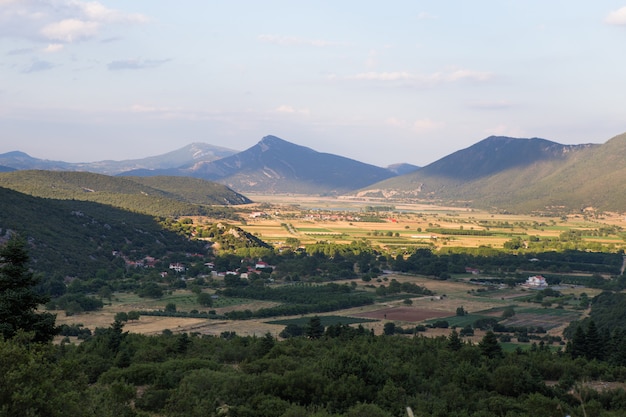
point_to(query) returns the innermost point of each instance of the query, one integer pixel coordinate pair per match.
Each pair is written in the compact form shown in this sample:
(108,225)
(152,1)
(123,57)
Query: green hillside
(158,196)
(71,238)
(577,178)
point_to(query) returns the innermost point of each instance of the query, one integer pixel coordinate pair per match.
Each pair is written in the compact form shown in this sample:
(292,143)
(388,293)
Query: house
(472,271)
(262,265)
(536,281)
(178,267)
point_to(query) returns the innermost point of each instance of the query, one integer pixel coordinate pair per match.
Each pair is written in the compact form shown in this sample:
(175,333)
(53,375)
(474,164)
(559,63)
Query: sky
(380,82)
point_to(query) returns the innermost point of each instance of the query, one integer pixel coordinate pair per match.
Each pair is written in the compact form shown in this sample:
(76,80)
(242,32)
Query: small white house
(536,281)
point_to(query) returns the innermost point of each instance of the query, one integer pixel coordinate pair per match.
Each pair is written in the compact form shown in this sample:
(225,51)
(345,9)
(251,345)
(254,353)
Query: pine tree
(454,341)
(489,345)
(593,341)
(315,329)
(18,299)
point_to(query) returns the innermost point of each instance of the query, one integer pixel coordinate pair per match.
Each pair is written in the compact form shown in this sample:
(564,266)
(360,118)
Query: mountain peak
(15,154)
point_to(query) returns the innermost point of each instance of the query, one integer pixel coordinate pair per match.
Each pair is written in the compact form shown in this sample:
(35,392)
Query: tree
(18,299)
(390,328)
(489,345)
(454,341)
(205,299)
(121,316)
(315,329)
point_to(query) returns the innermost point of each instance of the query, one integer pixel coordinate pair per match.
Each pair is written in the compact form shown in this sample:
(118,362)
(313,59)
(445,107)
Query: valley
(289,222)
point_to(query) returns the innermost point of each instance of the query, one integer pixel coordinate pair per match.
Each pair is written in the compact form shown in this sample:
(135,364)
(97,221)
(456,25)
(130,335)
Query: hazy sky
(380,82)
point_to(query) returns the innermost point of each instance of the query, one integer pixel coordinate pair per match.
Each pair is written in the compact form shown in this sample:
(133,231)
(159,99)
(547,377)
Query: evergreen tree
(489,345)
(454,341)
(18,299)
(315,329)
(578,345)
(593,342)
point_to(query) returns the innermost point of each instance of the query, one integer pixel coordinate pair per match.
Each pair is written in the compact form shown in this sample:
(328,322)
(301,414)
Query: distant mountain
(19,160)
(402,168)
(520,175)
(159,196)
(495,154)
(165,163)
(275,165)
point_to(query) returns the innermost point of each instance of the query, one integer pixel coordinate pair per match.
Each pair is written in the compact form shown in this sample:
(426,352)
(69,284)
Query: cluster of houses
(258,268)
(332,217)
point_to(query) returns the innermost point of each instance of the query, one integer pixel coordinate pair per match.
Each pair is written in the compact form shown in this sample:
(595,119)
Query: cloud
(135,64)
(38,66)
(448,76)
(424,125)
(70,30)
(291,110)
(59,20)
(53,47)
(295,41)
(617,17)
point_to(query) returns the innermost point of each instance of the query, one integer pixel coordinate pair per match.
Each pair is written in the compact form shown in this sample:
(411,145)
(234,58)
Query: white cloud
(291,110)
(53,47)
(295,41)
(617,17)
(423,125)
(59,20)
(70,30)
(96,11)
(448,76)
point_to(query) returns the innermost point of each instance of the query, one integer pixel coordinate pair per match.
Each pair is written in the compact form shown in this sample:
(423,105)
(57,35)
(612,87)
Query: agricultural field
(298,221)
(339,220)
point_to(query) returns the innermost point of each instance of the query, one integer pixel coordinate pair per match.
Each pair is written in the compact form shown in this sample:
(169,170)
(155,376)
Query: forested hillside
(158,196)
(78,238)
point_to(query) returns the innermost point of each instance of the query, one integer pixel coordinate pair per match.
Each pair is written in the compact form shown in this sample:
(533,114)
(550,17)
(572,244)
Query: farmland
(291,222)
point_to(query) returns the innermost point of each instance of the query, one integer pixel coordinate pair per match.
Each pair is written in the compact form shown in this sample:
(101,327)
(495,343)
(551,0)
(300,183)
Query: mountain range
(17,160)
(520,175)
(501,173)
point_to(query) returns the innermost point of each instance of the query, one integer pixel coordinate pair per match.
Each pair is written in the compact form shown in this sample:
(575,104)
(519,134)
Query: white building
(536,281)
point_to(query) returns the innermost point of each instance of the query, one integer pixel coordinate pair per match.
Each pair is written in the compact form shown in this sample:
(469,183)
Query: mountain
(277,166)
(402,168)
(169,161)
(158,196)
(520,175)
(17,160)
